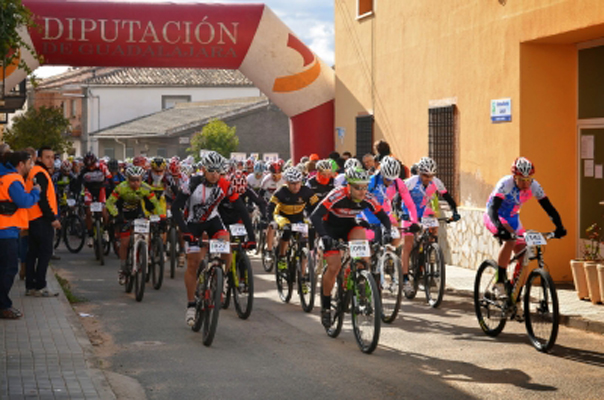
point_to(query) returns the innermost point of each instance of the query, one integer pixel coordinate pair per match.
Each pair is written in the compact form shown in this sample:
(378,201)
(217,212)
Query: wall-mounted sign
(270,157)
(184,140)
(341,133)
(501,110)
(238,156)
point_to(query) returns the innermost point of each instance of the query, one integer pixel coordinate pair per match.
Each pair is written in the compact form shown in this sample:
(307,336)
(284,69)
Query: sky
(311,20)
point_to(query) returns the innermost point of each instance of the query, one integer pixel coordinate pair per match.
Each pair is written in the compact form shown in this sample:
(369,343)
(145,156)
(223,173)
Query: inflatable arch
(248,37)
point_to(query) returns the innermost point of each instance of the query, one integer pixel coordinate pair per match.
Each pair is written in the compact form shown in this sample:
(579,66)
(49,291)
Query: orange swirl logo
(12,67)
(292,83)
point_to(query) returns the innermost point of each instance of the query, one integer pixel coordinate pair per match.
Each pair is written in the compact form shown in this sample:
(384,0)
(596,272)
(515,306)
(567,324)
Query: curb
(570,321)
(96,374)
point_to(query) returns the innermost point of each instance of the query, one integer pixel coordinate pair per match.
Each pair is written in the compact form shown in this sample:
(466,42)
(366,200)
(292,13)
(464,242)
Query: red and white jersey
(204,198)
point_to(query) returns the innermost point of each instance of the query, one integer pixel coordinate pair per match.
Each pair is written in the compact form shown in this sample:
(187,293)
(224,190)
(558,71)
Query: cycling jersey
(340,180)
(287,207)
(268,185)
(385,196)
(321,186)
(94,180)
(130,200)
(200,199)
(422,195)
(254,182)
(512,197)
(63,184)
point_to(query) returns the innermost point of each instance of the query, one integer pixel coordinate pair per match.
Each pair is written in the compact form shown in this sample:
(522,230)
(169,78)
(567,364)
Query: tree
(44,126)
(217,136)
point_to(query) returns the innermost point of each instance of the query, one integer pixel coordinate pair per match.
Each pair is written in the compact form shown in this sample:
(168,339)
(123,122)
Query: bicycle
(173,244)
(209,290)
(269,258)
(540,301)
(99,241)
(240,279)
(156,252)
(136,265)
(427,263)
(297,256)
(73,230)
(356,286)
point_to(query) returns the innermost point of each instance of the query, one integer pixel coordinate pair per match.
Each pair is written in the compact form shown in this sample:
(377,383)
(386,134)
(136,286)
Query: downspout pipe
(123,144)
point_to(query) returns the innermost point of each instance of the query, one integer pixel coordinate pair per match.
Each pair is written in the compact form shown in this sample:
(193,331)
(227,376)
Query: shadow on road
(578,355)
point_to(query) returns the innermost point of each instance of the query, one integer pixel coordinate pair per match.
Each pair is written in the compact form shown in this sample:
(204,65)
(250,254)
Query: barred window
(364,135)
(443,146)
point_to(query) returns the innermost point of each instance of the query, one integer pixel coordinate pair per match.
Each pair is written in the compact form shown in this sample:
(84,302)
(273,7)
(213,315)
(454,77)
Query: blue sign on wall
(501,110)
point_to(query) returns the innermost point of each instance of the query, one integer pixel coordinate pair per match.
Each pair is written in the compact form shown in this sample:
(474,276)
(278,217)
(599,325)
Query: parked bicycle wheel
(434,275)
(74,233)
(140,276)
(211,308)
(157,262)
(489,310)
(541,310)
(243,293)
(390,275)
(337,306)
(365,311)
(306,281)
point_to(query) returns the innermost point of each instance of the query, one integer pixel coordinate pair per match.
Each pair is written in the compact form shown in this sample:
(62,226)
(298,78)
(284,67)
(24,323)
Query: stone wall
(467,243)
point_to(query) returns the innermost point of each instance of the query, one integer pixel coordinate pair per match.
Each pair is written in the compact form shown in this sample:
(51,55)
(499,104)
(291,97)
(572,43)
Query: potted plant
(592,256)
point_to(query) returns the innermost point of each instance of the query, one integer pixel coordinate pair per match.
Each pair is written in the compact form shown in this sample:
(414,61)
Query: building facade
(475,85)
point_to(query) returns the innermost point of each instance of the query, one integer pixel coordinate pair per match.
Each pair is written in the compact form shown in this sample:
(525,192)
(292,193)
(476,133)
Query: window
(365,8)
(109,152)
(364,135)
(442,139)
(171,101)
(73,108)
(129,152)
(162,152)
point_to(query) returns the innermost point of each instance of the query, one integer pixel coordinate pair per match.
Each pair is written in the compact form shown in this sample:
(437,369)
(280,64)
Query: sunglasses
(360,188)
(527,179)
(213,170)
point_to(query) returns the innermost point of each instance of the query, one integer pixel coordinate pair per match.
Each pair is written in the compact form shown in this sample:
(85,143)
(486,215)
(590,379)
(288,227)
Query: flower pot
(578,271)
(591,275)
(601,279)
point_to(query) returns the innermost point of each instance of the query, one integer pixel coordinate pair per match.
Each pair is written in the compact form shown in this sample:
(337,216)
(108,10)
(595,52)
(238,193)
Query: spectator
(369,162)
(346,155)
(311,168)
(334,155)
(14,201)
(42,224)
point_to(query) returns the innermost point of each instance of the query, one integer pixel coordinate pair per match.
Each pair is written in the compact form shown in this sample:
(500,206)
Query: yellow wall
(413,52)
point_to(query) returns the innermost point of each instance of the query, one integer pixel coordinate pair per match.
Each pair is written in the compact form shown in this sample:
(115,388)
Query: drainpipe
(123,144)
(98,115)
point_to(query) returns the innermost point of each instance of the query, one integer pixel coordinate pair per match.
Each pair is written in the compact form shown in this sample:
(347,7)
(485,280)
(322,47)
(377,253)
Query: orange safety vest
(20,218)
(35,212)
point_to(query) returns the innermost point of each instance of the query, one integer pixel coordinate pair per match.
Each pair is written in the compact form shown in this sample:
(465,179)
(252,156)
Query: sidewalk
(46,354)
(575,313)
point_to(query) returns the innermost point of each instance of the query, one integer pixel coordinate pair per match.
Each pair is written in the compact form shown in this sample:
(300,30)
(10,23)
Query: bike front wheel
(157,261)
(141,264)
(283,278)
(337,305)
(74,233)
(391,273)
(173,250)
(306,281)
(414,274)
(434,275)
(490,310)
(541,310)
(243,292)
(212,304)
(99,247)
(365,311)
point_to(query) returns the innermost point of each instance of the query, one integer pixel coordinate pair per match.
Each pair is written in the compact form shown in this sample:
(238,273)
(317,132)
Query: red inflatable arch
(248,37)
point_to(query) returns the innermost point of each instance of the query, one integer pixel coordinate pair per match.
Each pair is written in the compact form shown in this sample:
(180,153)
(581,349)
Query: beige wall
(418,51)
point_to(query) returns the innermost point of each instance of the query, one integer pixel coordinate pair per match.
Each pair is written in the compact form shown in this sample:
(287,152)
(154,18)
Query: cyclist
(272,181)
(125,205)
(503,219)
(196,212)
(94,176)
(249,166)
(335,219)
(155,177)
(230,214)
(63,180)
(255,179)
(116,176)
(287,207)
(340,179)
(323,182)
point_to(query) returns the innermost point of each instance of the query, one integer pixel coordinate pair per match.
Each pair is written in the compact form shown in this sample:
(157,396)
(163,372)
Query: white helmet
(324,165)
(427,166)
(134,171)
(523,167)
(292,174)
(390,168)
(357,175)
(213,161)
(352,163)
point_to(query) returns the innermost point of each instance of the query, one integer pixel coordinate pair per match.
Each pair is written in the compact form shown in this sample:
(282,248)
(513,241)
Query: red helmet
(174,167)
(249,164)
(523,167)
(275,168)
(238,182)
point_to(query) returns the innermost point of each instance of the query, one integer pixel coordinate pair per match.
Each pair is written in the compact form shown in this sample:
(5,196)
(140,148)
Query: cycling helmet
(113,165)
(324,165)
(90,159)
(238,182)
(259,167)
(292,175)
(212,161)
(427,166)
(287,164)
(57,163)
(281,163)
(301,167)
(352,163)
(390,168)
(134,171)
(523,167)
(249,164)
(275,168)
(304,159)
(357,176)
(158,163)
(186,169)
(66,166)
(139,161)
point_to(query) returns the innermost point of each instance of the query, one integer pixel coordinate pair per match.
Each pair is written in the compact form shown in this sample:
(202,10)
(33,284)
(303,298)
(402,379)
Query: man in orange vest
(42,224)
(14,201)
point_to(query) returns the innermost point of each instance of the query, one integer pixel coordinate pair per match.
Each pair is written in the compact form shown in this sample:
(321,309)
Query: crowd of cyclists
(340,198)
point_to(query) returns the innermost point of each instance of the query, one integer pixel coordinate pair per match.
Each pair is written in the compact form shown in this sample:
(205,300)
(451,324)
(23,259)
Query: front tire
(365,308)
(306,282)
(434,275)
(490,311)
(284,282)
(414,274)
(212,304)
(243,294)
(74,233)
(542,316)
(173,250)
(140,276)
(391,275)
(157,260)
(337,305)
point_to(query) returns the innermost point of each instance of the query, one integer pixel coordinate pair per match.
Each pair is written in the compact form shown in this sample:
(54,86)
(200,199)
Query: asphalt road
(282,352)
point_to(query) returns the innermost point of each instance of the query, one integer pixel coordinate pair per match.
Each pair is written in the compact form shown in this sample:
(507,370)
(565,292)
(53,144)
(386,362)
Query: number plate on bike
(220,246)
(96,207)
(141,226)
(238,230)
(359,248)
(154,218)
(429,222)
(395,234)
(534,239)
(71,202)
(300,227)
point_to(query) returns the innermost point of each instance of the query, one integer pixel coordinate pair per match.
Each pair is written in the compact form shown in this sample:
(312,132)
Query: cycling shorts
(340,232)
(213,228)
(513,222)
(90,197)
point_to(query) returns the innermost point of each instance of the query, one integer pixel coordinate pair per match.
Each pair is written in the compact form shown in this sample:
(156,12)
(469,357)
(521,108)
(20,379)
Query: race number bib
(430,222)
(169,213)
(238,230)
(71,202)
(395,234)
(534,239)
(154,218)
(300,227)
(219,246)
(141,226)
(359,248)
(96,207)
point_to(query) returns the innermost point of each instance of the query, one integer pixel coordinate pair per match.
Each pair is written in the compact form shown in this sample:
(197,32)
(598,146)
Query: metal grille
(443,145)
(364,135)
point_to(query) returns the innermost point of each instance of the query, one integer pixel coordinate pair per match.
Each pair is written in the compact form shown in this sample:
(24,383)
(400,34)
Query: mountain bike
(174,248)
(269,258)
(100,237)
(73,230)
(356,292)
(155,271)
(240,279)
(427,263)
(136,265)
(299,269)
(209,290)
(537,306)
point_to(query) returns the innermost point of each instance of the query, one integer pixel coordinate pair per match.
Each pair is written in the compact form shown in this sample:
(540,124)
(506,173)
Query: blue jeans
(9,262)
